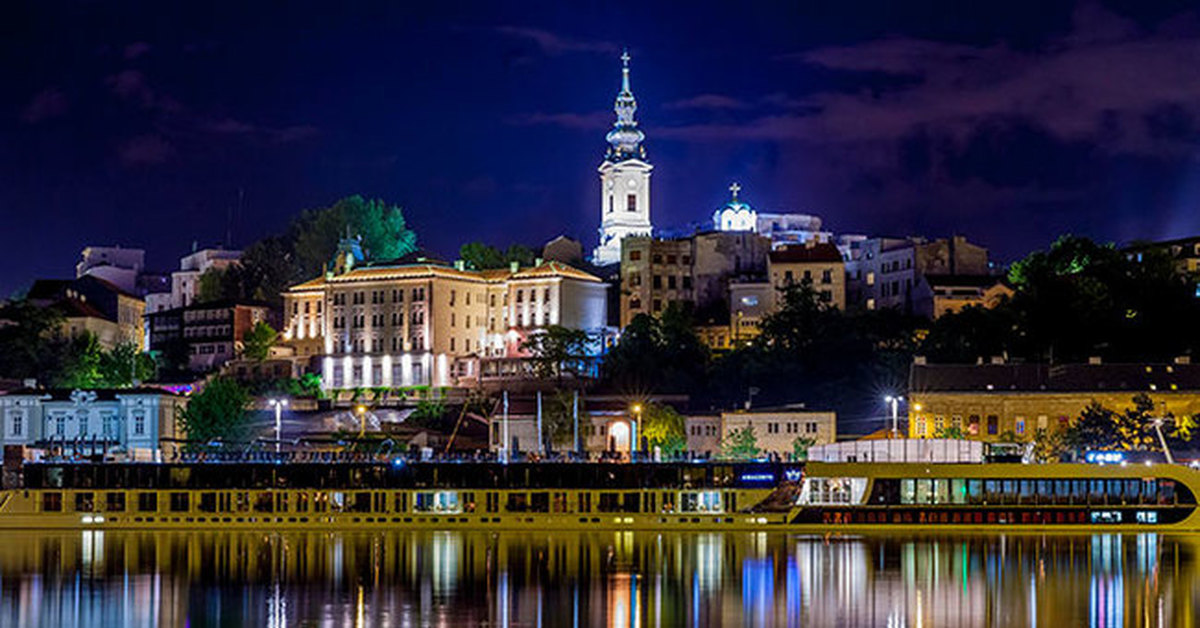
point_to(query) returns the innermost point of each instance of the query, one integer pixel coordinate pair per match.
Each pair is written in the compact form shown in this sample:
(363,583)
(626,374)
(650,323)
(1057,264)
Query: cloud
(46,104)
(576,121)
(232,126)
(1097,83)
(145,150)
(708,101)
(554,45)
(136,49)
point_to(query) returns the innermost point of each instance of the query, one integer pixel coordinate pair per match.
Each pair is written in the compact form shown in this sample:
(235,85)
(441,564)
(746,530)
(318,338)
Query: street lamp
(636,425)
(895,400)
(279,405)
(361,411)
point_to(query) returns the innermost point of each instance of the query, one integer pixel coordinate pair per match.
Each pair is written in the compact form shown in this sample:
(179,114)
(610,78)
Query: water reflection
(615,579)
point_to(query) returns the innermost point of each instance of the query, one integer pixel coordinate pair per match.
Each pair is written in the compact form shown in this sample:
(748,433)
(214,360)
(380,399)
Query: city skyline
(151,133)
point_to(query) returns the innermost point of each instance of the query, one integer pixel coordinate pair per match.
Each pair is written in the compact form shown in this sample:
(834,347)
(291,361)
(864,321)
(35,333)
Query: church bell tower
(624,179)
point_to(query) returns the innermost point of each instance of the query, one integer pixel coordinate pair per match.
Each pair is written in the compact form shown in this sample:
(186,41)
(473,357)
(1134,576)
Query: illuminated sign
(757,477)
(1104,457)
(793,475)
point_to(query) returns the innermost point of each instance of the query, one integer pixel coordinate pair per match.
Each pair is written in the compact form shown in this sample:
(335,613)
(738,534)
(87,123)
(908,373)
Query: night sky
(147,126)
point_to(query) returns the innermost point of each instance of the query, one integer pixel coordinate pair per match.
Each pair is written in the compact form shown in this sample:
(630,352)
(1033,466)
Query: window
(671,282)
(139,423)
(635,256)
(657,283)
(827,276)
(18,424)
(632,202)
(993,424)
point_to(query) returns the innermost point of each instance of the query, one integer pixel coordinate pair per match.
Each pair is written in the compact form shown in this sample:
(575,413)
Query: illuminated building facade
(624,179)
(426,323)
(1006,402)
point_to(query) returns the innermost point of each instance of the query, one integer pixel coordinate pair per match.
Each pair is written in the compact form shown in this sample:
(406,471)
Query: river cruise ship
(817,497)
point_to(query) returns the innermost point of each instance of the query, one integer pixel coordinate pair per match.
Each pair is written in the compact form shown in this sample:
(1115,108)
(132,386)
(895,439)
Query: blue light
(1104,457)
(398,462)
(757,477)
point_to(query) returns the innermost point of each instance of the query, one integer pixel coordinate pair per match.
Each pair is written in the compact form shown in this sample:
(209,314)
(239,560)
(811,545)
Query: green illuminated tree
(663,427)
(217,412)
(315,233)
(800,447)
(556,351)
(481,256)
(125,365)
(257,343)
(740,444)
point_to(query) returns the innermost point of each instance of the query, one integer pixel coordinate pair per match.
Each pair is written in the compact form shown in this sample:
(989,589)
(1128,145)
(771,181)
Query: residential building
(93,305)
(142,423)
(703,435)
(695,271)
(185,282)
(817,263)
(419,323)
(999,401)
(205,335)
(883,272)
(1184,251)
(938,295)
(749,303)
(117,265)
(624,179)
(776,430)
(563,249)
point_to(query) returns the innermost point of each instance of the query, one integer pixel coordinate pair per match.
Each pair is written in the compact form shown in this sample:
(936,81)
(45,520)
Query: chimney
(1095,360)
(460,265)
(513,267)
(538,262)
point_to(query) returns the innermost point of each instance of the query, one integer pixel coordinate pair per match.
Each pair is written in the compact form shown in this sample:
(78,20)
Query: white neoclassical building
(138,422)
(624,179)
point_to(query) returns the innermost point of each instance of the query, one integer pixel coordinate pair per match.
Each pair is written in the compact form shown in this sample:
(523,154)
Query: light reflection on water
(582,579)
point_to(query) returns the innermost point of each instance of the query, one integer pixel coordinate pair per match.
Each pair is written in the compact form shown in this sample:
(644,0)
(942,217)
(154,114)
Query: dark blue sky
(137,124)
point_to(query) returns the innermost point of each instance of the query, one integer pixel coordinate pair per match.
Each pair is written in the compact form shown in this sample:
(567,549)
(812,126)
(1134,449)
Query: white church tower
(624,179)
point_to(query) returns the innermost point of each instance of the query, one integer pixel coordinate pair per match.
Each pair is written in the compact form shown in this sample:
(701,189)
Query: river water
(595,579)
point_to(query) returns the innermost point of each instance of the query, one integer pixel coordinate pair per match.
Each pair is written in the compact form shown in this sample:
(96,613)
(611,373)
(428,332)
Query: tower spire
(625,139)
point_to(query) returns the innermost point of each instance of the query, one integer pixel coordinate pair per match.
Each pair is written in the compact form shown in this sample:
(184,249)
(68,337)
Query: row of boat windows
(988,517)
(1033,491)
(320,475)
(437,502)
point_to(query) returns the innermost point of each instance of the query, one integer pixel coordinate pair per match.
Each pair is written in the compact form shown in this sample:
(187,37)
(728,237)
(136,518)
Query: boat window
(84,502)
(301,502)
(361,502)
(1096,489)
(179,502)
(703,501)
(560,503)
(585,502)
(337,501)
(1106,516)
(908,491)
(400,502)
(281,501)
(1045,489)
(975,491)
(1115,492)
(924,488)
(958,491)
(991,491)
(941,491)
(147,502)
(208,502)
(1147,516)
(517,502)
(610,502)
(1133,490)
(52,502)
(439,502)
(631,501)
(1026,487)
(539,502)
(115,502)
(1166,492)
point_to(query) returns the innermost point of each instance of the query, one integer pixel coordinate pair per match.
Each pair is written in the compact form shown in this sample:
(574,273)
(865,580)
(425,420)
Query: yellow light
(637,408)
(360,409)
(918,407)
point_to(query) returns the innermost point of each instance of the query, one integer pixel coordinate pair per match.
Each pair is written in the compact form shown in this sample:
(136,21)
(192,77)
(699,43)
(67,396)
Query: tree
(558,416)
(740,444)
(664,428)
(950,432)
(429,414)
(216,284)
(1096,428)
(1048,445)
(126,365)
(316,232)
(30,347)
(658,355)
(557,350)
(481,256)
(257,343)
(800,447)
(217,412)
(81,367)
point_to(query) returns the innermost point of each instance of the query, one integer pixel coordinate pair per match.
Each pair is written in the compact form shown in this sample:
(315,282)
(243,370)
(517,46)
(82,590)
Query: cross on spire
(735,188)
(625,57)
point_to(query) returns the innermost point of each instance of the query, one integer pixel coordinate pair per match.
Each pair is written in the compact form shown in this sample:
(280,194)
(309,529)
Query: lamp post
(895,400)
(636,425)
(361,412)
(279,405)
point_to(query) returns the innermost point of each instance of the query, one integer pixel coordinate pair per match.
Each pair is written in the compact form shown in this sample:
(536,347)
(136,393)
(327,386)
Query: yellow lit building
(411,324)
(995,402)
